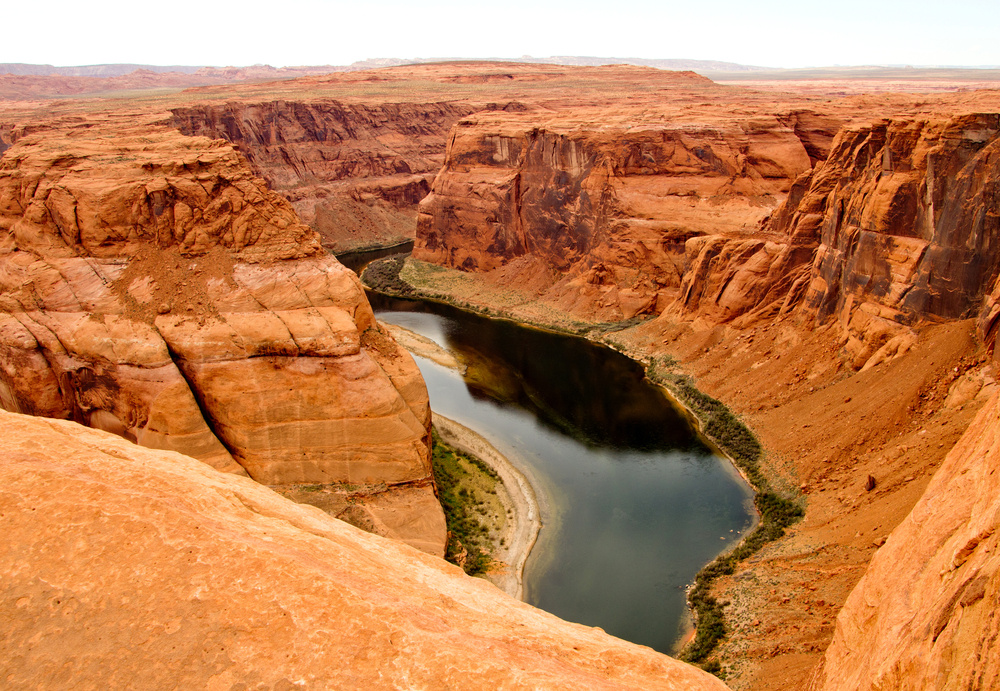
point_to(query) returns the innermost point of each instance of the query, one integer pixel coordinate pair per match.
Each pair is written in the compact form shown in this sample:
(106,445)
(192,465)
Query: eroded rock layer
(878,224)
(608,212)
(353,172)
(129,567)
(153,287)
(901,223)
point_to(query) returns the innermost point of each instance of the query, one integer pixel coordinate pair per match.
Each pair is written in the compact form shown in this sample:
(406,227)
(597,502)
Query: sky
(772,33)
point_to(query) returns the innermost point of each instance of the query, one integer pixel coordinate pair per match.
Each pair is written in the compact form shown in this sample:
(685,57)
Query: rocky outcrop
(607,211)
(902,218)
(926,614)
(153,287)
(895,223)
(123,566)
(352,171)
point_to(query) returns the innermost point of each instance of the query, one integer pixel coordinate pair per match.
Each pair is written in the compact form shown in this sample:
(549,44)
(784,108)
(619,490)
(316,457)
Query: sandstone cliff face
(926,614)
(608,212)
(894,223)
(353,172)
(902,219)
(151,286)
(129,567)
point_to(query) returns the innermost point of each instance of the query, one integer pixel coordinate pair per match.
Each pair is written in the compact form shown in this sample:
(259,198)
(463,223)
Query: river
(633,503)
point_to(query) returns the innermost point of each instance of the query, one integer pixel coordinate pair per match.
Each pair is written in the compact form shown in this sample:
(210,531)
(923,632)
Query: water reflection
(583,390)
(636,504)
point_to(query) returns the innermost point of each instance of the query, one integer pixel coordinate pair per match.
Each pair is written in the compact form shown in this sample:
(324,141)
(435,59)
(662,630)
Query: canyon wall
(352,171)
(611,217)
(129,567)
(901,224)
(887,223)
(151,286)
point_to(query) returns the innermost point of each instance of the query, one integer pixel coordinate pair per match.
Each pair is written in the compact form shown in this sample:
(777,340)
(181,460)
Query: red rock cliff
(926,614)
(353,171)
(151,286)
(893,224)
(608,211)
(900,225)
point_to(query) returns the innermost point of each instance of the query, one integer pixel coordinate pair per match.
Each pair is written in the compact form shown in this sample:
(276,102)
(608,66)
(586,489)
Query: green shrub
(776,512)
(383,276)
(465,533)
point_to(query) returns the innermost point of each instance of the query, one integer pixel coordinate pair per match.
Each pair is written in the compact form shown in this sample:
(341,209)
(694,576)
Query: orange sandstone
(123,566)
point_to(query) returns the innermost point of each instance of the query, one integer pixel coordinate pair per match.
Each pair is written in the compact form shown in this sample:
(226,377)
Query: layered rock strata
(354,172)
(613,215)
(899,224)
(151,286)
(125,567)
(893,224)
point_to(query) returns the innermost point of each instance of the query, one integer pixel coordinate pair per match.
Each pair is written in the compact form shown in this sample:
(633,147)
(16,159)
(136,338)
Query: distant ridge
(195,75)
(115,70)
(574,60)
(122,69)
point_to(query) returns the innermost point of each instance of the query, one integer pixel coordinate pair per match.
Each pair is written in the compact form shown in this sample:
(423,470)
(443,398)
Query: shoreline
(522,531)
(375,247)
(700,600)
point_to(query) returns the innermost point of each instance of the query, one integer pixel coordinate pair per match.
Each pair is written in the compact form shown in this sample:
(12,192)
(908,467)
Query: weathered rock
(926,614)
(901,215)
(895,225)
(608,209)
(352,171)
(151,286)
(128,567)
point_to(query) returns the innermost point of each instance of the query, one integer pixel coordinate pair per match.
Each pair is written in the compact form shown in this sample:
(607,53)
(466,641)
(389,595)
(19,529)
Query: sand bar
(519,495)
(522,531)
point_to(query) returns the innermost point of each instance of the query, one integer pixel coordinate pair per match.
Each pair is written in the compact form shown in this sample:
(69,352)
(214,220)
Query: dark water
(636,504)
(356,261)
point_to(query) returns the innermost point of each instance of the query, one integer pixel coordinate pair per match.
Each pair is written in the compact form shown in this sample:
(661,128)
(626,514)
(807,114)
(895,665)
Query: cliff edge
(123,566)
(926,614)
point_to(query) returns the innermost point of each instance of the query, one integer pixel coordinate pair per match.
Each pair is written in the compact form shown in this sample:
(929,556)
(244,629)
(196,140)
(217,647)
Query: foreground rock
(151,286)
(122,566)
(926,614)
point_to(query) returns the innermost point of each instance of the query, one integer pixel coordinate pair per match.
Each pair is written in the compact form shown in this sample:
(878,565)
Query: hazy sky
(777,33)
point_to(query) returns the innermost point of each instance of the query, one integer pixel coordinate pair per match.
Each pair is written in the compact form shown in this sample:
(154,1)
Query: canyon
(824,264)
(152,287)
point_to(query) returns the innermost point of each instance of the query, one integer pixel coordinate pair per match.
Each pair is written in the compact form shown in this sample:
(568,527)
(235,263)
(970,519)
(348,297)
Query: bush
(383,276)
(465,533)
(776,512)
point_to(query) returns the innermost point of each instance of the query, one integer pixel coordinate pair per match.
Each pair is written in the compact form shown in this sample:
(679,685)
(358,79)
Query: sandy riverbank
(522,529)
(424,347)
(519,496)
